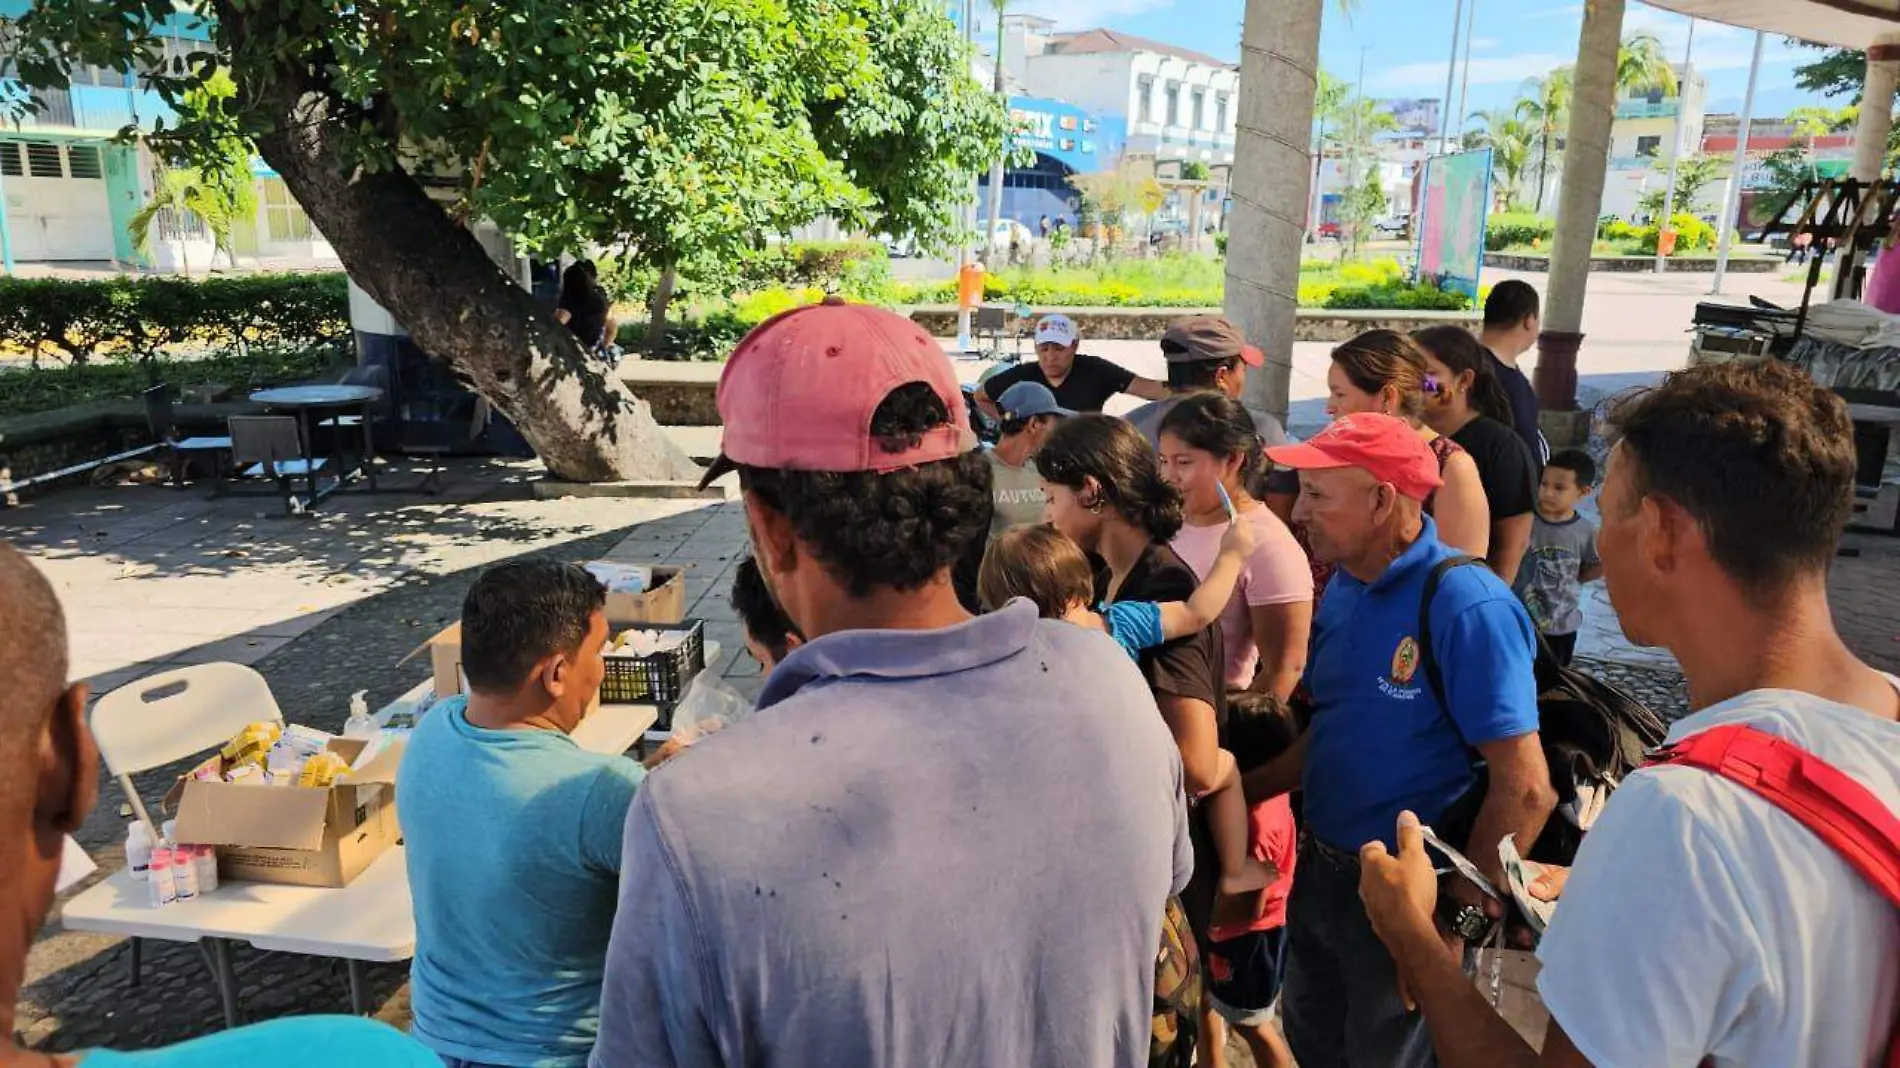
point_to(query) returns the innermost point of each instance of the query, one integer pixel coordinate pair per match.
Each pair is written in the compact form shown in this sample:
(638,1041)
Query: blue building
(1067,141)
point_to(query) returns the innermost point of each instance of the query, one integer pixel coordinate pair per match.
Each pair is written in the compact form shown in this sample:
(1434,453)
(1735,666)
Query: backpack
(1593,735)
(1840,811)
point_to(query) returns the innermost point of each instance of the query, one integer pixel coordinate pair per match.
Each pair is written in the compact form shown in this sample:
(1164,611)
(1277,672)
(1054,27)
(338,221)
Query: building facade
(1643,139)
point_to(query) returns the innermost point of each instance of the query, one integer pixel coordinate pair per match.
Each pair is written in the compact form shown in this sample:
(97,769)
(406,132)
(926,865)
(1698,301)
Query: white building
(1643,139)
(1180,105)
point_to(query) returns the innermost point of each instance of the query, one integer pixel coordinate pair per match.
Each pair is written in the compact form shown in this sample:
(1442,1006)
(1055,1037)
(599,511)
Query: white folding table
(370,920)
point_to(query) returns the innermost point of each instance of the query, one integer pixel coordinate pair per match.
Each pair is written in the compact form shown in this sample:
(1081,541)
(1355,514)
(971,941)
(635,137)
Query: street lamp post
(964,341)
(1451,74)
(1686,87)
(1734,199)
(1464,83)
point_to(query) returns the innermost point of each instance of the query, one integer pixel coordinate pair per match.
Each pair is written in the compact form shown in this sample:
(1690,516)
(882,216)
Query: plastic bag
(709,704)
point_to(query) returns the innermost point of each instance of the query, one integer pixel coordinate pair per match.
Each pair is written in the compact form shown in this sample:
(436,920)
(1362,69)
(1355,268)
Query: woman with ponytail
(1105,492)
(1470,407)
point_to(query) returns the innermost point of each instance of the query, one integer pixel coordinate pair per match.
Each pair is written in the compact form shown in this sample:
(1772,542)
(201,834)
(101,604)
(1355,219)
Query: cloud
(1488,70)
(1088,14)
(1481,44)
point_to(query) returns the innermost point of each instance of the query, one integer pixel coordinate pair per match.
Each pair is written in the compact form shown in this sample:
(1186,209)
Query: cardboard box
(665,602)
(296,835)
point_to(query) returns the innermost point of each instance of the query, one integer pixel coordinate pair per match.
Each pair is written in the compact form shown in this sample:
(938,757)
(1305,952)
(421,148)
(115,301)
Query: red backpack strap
(1840,811)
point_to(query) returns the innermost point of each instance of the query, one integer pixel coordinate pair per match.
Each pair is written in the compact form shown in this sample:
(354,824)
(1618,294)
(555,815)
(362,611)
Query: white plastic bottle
(164,886)
(138,851)
(207,862)
(184,872)
(360,724)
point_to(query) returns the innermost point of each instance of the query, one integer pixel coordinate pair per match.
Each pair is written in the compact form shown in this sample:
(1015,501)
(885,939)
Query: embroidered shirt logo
(1405,661)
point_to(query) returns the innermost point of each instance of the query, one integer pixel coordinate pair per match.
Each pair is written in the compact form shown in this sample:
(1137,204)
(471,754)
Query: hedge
(1512,229)
(40,389)
(140,319)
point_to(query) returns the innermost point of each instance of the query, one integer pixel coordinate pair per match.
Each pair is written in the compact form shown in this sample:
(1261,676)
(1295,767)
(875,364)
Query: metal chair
(436,434)
(270,445)
(992,323)
(170,716)
(179,451)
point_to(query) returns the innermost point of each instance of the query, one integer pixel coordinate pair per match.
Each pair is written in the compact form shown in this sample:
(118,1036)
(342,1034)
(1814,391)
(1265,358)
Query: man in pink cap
(942,839)
(1416,663)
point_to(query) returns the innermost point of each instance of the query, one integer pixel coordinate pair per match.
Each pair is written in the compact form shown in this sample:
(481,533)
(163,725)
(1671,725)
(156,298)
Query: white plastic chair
(173,715)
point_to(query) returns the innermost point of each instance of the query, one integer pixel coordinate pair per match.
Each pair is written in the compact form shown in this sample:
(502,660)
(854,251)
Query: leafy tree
(1546,110)
(1362,204)
(1837,72)
(1194,171)
(679,133)
(1693,175)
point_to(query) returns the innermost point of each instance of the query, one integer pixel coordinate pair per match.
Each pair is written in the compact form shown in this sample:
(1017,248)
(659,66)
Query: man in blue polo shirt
(1382,741)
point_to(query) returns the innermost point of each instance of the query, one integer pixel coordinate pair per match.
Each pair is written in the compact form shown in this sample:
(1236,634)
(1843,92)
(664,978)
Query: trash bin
(1666,242)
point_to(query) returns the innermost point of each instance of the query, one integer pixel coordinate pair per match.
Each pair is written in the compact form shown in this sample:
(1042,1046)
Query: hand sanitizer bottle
(360,724)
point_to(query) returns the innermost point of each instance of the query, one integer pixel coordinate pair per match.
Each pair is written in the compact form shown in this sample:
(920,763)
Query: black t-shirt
(587,317)
(1504,464)
(1191,667)
(1523,405)
(1090,383)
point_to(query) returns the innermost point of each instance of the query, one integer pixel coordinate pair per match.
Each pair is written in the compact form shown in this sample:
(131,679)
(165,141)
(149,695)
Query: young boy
(769,635)
(1039,564)
(1243,965)
(1563,552)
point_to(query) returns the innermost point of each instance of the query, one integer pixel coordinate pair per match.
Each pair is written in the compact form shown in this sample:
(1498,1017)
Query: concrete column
(1876,108)
(1579,201)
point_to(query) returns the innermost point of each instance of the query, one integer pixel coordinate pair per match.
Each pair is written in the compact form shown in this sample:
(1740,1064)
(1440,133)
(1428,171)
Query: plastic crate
(659,678)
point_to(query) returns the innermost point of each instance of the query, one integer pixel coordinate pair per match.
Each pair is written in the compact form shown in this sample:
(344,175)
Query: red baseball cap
(1388,449)
(798,393)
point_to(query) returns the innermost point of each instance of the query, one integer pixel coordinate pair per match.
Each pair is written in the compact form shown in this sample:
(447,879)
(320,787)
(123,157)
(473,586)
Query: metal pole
(1734,205)
(1451,74)
(1352,169)
(1464,83)
(1684,88)
(6,224)
(964,341)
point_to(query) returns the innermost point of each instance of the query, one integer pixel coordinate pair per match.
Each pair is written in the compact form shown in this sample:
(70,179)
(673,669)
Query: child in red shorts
(1243,964)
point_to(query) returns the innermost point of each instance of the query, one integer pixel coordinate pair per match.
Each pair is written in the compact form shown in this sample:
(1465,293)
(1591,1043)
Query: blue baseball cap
(1026,400)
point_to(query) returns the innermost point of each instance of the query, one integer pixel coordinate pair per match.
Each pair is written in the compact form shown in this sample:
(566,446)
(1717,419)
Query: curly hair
(1218,425)
(1460,352)
(1121,462)
(1760,457)
(897,530)
(1380,358)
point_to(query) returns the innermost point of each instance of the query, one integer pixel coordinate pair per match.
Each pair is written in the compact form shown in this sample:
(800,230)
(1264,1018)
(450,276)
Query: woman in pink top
(1208,443)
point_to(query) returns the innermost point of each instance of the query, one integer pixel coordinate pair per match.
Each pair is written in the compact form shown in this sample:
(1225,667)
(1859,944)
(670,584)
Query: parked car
(899,247)
(1392,226)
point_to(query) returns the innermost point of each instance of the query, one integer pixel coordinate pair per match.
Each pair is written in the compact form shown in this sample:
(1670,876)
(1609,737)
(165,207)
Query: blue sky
(1408,43)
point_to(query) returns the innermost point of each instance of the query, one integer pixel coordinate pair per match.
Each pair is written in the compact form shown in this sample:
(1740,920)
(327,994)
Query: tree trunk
(433,276)
(1579,201)
(1279,45)
(657,306)
(1543,167)
(996,169)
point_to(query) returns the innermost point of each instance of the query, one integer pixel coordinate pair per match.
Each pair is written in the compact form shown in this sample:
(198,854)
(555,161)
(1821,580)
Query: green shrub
(1513,228)
(39,389)
(1397,295)
(1692,235)
(75,320)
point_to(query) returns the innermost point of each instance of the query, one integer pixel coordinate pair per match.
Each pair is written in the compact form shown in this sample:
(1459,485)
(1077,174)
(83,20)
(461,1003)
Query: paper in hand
(1461,864)
(1521,873)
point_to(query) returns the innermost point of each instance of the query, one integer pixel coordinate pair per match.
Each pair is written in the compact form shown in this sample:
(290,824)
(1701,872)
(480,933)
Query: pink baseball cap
(1388,449)
(798,393)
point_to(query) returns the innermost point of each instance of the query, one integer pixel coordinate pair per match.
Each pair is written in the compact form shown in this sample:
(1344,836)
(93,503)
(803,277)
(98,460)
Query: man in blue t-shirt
(513,831)
(49,780)
(1382,741)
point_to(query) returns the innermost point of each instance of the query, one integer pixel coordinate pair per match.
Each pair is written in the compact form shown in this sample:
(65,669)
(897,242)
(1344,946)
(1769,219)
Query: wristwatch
(1468,922)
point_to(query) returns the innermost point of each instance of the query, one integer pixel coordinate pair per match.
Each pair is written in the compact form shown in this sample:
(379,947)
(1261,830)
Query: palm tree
(1642,66)
(1511,142)
(183,192)
(1329,97)
(1546,110)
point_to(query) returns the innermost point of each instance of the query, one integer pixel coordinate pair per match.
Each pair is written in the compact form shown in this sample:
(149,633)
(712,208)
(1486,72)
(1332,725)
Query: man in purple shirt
(941,839)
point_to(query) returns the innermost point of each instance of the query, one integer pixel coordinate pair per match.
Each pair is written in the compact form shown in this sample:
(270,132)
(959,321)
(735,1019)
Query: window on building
(1145,99)
(10,159)
(283,216)
(1220,112)
(1654,96)
(1200,108)
(82,161)
(1649,146)
(42,160)
(1173,112)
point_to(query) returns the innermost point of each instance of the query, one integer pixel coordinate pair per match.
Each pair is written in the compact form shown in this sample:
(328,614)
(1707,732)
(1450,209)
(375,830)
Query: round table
(307,399)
